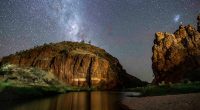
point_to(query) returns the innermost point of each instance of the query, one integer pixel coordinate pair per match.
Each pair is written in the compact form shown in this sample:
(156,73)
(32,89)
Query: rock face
(76,64)
(176,57)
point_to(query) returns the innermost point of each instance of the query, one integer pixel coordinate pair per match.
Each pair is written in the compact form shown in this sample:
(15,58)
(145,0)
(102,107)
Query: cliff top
(176,57)
(67,47)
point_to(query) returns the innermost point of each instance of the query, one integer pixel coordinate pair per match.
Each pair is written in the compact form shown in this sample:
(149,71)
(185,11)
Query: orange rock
(177,56)
(76,64)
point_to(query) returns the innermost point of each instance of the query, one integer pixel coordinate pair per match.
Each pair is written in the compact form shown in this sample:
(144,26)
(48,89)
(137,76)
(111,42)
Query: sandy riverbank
(169,102)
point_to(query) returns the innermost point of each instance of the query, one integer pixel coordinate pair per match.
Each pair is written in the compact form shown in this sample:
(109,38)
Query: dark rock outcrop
(176,57)
(198,23)
(76,64)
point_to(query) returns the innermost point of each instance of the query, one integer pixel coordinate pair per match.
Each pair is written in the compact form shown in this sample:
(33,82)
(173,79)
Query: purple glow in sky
(124,28)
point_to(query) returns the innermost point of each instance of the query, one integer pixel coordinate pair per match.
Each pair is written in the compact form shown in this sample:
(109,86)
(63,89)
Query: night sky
(124,28)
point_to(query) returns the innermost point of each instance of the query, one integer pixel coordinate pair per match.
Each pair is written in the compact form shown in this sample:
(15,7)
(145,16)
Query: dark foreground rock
(169,102)
(76,64)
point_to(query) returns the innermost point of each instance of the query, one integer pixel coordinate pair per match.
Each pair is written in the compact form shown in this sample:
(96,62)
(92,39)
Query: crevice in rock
(89,73)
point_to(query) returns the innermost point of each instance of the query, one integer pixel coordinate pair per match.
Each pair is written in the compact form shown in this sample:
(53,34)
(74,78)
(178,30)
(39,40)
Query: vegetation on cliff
(19,83)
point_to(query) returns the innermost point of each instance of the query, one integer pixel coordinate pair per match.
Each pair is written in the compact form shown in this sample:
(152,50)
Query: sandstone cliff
(176,57)
(76,64)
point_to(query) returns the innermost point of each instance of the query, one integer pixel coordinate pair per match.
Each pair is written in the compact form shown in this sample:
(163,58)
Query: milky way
(124,28)
(67,14)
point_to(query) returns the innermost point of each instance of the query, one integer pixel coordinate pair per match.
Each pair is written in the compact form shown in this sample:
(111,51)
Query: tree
(83,41)
(89,42)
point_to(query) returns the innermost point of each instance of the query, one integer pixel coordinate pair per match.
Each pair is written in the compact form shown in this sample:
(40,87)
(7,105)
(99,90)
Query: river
(97,100)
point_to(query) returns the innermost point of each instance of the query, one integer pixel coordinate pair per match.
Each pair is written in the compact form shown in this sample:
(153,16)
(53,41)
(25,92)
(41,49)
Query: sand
(169,102)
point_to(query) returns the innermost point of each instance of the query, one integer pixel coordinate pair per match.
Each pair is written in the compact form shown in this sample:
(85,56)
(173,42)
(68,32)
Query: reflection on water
(75,101)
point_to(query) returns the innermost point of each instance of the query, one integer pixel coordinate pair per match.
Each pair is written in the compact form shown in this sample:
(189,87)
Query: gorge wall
(76,64)
(176,57)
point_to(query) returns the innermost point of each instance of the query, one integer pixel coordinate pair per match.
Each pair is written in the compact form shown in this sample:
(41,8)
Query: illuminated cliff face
(82,68)
(176,56)
(76,64)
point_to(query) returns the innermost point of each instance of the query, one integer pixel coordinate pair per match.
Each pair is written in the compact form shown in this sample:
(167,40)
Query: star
(176,18)
(124,28)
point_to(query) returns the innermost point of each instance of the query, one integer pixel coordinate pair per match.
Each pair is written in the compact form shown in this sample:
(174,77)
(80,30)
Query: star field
(124,28)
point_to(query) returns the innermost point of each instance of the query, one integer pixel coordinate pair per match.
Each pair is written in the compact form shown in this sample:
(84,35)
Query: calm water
(74,101)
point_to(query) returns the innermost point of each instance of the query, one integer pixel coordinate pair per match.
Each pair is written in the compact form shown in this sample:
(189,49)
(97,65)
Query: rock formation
(76,64)
(176,57)
(198,23)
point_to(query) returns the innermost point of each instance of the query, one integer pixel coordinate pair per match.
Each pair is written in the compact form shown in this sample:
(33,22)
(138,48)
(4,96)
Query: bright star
(176,18)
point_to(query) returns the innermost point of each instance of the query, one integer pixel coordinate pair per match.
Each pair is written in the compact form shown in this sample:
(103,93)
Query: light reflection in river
(76,101)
